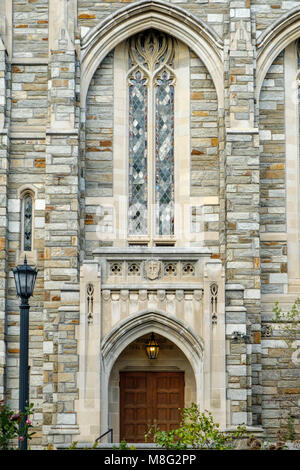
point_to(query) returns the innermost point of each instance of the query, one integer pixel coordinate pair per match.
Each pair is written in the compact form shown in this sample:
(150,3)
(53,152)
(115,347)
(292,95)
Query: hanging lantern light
(152,348)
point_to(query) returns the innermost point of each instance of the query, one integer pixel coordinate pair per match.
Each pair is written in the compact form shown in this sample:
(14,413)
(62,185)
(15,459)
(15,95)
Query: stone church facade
(149,167)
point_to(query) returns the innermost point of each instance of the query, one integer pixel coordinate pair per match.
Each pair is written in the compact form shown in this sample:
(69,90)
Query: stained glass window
(137,155)
(151,167)
(164,164)
(27,222)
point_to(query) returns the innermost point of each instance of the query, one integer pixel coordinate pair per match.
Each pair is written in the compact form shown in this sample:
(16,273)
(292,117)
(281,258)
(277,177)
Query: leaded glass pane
(137,155)
(27,211)
(164,171)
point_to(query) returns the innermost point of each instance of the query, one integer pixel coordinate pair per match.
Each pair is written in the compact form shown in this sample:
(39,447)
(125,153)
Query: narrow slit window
(27,222)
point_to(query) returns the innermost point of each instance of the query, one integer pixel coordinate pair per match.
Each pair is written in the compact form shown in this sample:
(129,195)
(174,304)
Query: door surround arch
(143,323)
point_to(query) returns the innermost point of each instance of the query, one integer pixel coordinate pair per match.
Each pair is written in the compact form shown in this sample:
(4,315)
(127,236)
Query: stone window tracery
(151,83)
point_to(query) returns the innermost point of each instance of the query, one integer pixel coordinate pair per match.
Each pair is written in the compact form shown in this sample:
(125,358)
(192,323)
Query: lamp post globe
(25,277)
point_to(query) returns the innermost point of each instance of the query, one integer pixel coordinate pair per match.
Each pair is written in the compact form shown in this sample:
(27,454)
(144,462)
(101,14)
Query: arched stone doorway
(180,345)
(144,392)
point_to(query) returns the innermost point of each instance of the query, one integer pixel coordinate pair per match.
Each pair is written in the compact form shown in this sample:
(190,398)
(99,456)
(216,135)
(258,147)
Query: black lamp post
(25,277)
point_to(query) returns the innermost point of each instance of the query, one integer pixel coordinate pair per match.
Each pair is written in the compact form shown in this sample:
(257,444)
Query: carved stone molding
(198,294)
(106,295)
(188,269)
(124,294)
(161,295)
(134,269)
(143,295)
(152,269)
(179,294)
(170,269)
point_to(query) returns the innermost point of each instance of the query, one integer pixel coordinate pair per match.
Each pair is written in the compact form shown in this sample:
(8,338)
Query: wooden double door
(149,398)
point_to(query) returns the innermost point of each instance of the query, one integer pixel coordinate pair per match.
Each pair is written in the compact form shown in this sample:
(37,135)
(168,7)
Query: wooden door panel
(169,398)
(148,398)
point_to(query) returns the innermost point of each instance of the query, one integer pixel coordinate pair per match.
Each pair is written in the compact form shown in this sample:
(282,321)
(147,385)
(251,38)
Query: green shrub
(197,430)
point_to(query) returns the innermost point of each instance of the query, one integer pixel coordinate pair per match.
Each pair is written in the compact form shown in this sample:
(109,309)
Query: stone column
(62,200)
(4,164)
(242,186)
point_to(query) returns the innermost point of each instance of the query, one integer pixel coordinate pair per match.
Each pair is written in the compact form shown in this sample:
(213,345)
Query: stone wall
(281,371)
(30,28)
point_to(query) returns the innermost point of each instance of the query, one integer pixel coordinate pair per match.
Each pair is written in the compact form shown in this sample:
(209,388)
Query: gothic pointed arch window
(151,88)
